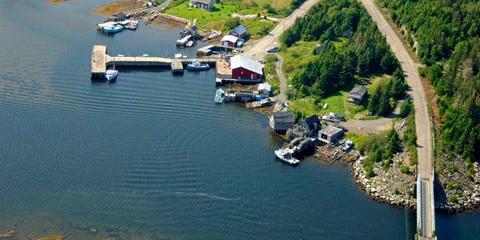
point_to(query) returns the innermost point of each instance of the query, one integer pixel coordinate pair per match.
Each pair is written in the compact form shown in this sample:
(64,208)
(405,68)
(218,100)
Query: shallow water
(151,156)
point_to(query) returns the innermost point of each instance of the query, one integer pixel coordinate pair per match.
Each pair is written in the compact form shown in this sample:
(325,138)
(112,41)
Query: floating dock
(101,60)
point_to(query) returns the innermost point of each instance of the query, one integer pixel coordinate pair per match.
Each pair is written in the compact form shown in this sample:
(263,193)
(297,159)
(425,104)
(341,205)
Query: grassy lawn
(300,54)
(207,20)
(296,57)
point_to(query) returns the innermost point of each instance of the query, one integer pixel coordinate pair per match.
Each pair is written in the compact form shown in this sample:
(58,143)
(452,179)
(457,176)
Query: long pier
(101,60)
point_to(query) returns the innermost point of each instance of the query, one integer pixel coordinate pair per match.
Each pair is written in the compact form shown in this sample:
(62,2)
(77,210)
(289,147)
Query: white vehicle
(347,146)
(272,49)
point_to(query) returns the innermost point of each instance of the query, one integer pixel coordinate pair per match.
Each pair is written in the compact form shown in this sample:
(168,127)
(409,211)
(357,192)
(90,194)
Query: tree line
(364,52)
(438,26)
(448,35)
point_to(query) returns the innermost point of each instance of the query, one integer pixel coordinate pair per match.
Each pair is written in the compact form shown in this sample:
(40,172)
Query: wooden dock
(101,60)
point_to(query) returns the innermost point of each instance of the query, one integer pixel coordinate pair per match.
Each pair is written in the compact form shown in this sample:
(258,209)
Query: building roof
(240,29)
(247,63)
(119,15)
(330,130)
(358,92)
(203,1)
(312,120)
(264,86)
(230,38)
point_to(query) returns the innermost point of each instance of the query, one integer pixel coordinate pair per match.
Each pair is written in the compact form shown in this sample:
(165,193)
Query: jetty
(101,61)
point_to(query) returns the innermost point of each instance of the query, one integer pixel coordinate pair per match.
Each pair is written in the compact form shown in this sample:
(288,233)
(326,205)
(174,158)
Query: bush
(369,171)
(406,108)
(405,169)
(231,23)
(453,199)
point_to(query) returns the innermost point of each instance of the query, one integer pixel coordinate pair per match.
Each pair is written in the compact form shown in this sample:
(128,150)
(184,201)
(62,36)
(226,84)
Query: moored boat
(112,28)
(131,26)
(189,44)
(197,66)
(111,74)
(220,96)
(286,157)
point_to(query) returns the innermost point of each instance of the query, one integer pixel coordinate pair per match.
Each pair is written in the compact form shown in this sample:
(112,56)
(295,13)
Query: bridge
(101,60)
(425,208)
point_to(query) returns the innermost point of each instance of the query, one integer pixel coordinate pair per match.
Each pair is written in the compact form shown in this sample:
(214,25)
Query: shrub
(453,199)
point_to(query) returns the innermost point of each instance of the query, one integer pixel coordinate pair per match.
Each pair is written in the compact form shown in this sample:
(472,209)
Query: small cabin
(330,134)
(229,40)
(282,121)
(203,4)
(117,17)
(311,125)
(240,31)
(264,89)
(357,94)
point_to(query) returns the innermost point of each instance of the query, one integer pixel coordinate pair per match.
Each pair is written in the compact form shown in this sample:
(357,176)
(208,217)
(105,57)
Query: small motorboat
(286,157)
(112,28)
(189,44)
(220,96)
(178,55)
(111,74)
(197,66)
(131,26)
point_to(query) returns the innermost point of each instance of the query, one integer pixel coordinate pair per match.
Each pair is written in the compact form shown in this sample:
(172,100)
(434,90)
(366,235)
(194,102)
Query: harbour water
(151,156)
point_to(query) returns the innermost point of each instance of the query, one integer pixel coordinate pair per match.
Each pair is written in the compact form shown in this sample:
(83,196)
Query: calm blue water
(151,156)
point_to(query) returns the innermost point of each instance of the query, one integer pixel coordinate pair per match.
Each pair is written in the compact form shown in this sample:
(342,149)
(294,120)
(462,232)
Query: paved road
(422,120)
(257,49)
(282,97)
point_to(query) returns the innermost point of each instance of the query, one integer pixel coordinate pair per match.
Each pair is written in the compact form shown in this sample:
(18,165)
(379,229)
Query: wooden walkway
(101,60)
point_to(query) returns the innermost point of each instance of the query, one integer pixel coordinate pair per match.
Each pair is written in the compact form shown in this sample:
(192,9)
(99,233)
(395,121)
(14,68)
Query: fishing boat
(112,28)
(220,96)
(131,26)
(286,157)
(197,66)
(111,74)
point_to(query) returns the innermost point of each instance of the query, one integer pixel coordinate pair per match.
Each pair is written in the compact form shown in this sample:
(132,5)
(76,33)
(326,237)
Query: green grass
(306,106)
(296,57)
(207,20)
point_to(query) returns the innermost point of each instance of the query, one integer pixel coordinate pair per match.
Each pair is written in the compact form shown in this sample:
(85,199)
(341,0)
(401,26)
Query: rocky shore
(391,187)
(455,192)
(457,187)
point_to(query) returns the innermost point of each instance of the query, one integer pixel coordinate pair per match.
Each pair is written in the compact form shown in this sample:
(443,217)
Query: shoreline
(378,191)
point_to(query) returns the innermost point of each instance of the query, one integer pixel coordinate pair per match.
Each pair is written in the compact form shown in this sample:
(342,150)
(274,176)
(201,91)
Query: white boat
(220,96)
(111,74)
(197,66)
(189,44)
(286,157)
(178,55)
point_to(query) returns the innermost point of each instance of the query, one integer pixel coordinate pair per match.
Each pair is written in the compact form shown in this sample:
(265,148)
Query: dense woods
(364,51)
(448,34)
(438,26)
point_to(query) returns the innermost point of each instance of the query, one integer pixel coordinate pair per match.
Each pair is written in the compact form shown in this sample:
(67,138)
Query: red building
(245,68)
(229,40)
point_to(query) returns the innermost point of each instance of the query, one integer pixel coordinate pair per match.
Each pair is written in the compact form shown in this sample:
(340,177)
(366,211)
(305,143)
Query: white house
(264,89)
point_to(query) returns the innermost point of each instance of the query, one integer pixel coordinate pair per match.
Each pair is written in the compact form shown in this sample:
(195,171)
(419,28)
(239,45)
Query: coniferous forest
(365,53)
(448,41)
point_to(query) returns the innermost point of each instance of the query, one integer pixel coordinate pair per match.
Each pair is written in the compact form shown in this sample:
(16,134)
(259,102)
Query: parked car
(272,49)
